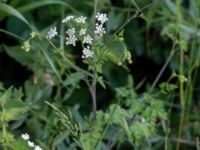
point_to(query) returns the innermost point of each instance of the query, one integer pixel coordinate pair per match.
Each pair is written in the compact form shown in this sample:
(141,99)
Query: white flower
(70,32)
(82,32)
(71,40)
(81,19)
(31,144)
(25,136)
(99,29)
(66,19)
(101,17)
(38,148)
(87,39)
(87,52)
(52,33)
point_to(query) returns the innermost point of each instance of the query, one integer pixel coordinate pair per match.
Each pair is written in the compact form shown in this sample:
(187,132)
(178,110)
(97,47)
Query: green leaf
(101,82)
(5,96)
(167,87)
(20,145)
(11,11)
(171,6)
(73,79)
(14,109)
(90,139)
(60,137)
(115,49)
(38,4)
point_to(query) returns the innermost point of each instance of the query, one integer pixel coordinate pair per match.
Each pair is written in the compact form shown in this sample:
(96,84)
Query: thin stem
(4,127)
(92,89)
(127,21)
(94,13)
(181,83)
(184,141)
(136,14)
(197,143)
(163,68)
(94,101)
(62,28)
(3,124)
(114,139)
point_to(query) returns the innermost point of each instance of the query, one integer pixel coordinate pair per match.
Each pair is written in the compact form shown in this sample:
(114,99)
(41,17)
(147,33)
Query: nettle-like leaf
(140,130)
(14,144)
(90,139)
(6,95)
(140,116)
(13,107)
(167,87)
(14,113)
(120,118)
(155,107)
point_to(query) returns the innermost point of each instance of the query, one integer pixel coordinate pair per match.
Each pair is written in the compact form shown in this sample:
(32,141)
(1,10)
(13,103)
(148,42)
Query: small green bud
(119,63)
(33,34)
(26,46)
(127,56)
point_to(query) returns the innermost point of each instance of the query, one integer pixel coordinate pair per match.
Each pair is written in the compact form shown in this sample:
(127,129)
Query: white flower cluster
(73,36)
(26,137)
(87,52)
(82,32)
(81,19)
(52,33)
(66,19)
(87,39)
(99,29)
(101,18)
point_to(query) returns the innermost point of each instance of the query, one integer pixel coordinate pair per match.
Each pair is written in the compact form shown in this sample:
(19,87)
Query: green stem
(4,128)
(62,28)
(181,72)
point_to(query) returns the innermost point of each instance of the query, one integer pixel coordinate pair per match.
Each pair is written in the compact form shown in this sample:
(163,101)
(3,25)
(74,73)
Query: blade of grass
(38,4)
(12,11)
(12,34)
(51,63)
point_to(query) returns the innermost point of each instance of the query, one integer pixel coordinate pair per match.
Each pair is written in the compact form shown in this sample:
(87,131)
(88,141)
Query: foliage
(133,83)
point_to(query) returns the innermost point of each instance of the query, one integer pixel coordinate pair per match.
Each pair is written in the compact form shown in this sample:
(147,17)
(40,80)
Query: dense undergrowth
(99,74)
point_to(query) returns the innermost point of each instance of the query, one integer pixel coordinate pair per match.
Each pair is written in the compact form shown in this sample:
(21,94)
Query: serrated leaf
(13,114)
(6,96)
(14,109)
(167,87)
